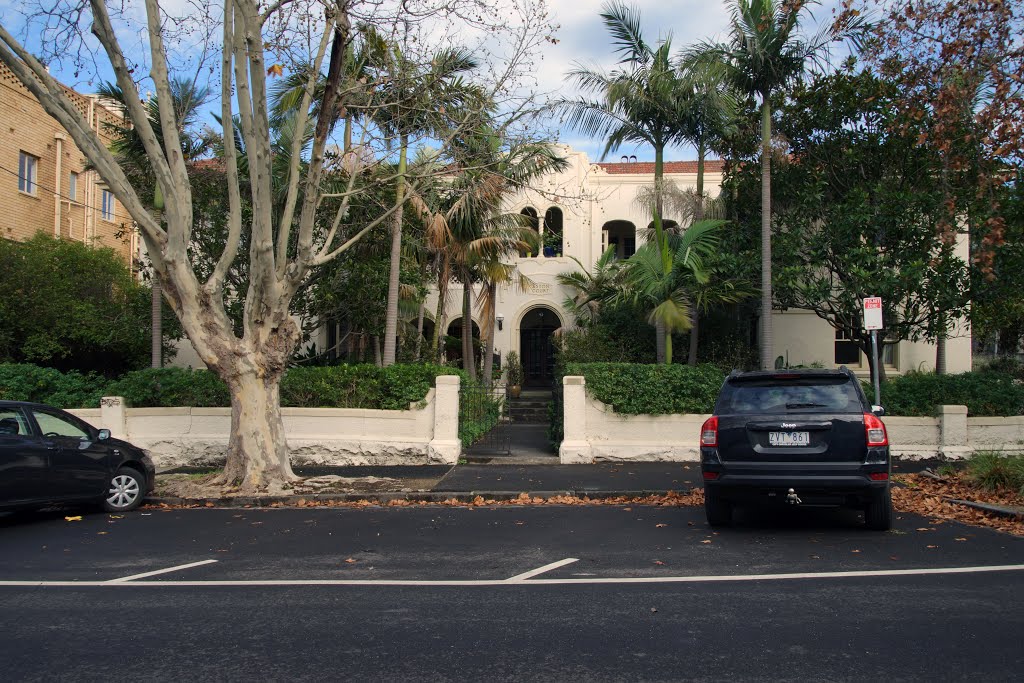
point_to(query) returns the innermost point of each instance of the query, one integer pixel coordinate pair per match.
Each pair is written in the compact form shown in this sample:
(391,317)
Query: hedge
(633,389)
(985,393)
(344,386)
(24,382)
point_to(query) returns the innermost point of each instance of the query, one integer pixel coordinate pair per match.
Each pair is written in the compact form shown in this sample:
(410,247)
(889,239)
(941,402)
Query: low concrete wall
(594,432)
(174,437)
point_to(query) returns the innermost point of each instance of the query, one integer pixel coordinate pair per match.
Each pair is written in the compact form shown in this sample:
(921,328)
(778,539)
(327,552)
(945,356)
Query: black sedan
(49,456)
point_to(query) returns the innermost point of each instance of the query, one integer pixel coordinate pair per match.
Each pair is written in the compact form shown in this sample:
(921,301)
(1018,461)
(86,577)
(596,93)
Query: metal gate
(484,420)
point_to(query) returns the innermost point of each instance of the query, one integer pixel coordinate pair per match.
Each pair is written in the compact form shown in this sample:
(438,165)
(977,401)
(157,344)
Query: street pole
(874,367)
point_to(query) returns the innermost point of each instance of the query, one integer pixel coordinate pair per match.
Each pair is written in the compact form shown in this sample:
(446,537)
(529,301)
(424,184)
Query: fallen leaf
(658,562)
(653,610)
(931,546)
(689,524)
(660,526)
(854,551)
(101,533)
(76,518)
(706,540)
(350,561)
(209,504)
(959,539)
(924,528)
(627,509)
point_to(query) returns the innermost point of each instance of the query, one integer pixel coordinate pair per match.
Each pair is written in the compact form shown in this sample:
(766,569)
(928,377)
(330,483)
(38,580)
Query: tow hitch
(792,498)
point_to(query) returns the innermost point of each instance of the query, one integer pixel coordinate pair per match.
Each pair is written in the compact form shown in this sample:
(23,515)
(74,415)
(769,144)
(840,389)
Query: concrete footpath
(437,483)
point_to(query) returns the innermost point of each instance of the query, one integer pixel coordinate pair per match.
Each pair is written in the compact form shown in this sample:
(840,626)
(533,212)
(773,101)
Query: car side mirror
(878,410)
(103,435)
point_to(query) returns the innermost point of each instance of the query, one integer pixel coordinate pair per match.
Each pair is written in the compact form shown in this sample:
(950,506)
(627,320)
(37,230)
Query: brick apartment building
(44,184)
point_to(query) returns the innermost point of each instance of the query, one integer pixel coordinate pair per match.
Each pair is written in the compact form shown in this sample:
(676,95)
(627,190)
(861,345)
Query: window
(53,425)
(13,423)
(73,187)
(847,352)
(108,205)
(27,165)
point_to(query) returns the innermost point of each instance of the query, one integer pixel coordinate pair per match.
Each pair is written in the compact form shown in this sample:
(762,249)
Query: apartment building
(45,185)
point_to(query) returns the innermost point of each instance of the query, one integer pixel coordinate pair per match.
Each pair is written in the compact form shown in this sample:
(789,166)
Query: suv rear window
(783,396)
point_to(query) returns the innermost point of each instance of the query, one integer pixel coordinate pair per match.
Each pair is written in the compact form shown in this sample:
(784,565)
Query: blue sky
(582,38)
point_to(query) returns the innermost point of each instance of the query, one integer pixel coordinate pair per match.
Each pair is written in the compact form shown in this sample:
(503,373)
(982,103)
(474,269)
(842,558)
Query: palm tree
(667,296)
(765,53)
(419,99)
(593,288)
(127,146)
(638,102)
(709,118)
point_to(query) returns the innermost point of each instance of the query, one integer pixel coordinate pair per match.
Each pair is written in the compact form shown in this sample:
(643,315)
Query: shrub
(170,387)
(651,389)
(995,471)
(24,382)
(984,393)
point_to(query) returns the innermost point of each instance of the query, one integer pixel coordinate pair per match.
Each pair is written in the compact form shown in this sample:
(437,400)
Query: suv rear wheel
(717,510)
(878,514)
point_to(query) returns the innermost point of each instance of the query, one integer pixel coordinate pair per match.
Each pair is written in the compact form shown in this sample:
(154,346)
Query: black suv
(803,437)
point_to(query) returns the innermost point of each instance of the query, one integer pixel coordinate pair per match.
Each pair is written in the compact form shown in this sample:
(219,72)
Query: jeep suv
(802,437)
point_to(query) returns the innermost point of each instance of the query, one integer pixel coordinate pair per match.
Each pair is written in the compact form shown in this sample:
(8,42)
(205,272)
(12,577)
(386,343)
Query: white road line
(518,578)
(536,582)
(124,579)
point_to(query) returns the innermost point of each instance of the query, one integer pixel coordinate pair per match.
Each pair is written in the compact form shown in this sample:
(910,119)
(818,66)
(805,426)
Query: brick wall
(26,127)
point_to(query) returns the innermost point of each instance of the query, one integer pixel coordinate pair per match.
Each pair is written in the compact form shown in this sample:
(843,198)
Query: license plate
(789,438)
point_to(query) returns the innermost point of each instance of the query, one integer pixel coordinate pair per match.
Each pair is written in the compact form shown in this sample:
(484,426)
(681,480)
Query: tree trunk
(767,336)
(375,340)
(439,329)
(391,316)
(468,357)
(419,330)
(691,358)
(940,354)
(698,215)
(488,337)
(157,317)
(659,341)
(257,459)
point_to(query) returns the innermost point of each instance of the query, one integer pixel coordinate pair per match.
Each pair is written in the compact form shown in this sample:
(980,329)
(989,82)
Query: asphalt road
(547,593)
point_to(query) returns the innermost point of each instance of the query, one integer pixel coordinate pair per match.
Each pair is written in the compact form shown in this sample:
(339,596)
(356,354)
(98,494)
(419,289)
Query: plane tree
(245,44)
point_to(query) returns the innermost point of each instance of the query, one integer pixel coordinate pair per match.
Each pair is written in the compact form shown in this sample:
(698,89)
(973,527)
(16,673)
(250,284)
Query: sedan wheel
(124,492)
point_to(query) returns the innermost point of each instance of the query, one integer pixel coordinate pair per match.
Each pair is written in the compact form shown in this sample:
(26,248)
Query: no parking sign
(873,313)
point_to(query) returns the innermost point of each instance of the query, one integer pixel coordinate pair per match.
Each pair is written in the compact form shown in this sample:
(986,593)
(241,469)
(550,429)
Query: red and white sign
(873,313)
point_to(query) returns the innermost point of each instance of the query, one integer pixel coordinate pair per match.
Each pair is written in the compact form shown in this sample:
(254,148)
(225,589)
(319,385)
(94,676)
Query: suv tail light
(875,431)
(709,432)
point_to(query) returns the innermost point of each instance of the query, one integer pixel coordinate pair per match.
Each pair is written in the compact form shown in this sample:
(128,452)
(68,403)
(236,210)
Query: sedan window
(13,423)
(52,425)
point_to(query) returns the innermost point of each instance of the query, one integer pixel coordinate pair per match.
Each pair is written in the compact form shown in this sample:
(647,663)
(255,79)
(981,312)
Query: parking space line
(124,579)
(540,570)
(508,582)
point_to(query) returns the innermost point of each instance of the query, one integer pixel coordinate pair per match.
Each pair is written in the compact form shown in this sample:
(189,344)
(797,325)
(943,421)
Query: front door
(538,357)
(78,463)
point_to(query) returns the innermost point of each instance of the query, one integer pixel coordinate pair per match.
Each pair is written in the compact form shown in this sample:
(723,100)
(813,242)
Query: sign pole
(873,322)
(874,367)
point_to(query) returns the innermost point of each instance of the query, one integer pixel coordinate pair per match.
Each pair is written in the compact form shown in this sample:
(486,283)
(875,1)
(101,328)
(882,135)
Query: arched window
(534,224)
(553,232)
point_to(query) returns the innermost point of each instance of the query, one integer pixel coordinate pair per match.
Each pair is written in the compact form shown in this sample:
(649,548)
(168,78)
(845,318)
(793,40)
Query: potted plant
(514,374)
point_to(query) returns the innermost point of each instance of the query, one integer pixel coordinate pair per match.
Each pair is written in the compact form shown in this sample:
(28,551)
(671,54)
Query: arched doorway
(536,350)
(621,235)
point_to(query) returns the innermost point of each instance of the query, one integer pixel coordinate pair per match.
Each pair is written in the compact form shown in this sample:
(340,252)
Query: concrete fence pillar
(575,448)
(113,416)
(445,447)
(953,432)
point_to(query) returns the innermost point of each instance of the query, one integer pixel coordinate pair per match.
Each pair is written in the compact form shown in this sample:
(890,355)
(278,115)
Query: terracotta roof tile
(647,167)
